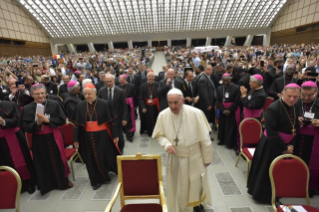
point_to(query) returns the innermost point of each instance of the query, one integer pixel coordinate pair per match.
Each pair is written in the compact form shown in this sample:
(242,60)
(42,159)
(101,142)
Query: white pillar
(149,43)
(228,40)
(71,47)
(54,48)
(188,42)
(208,41)
(169,42)
(110,44)
(249,39)
(91,47)
(130,44)
(266,41)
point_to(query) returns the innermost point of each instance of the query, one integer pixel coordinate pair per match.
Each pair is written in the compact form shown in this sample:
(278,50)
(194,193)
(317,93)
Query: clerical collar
(259,88)
(283,101)
(93,101)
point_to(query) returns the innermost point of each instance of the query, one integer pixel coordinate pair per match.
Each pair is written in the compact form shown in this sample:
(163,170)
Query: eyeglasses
(38,94)
(309,96)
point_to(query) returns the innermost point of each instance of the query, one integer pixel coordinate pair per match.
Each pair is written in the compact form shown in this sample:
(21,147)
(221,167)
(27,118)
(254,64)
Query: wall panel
(305,37)
(29,49)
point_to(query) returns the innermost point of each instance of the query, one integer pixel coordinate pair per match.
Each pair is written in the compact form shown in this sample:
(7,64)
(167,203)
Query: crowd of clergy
(229,85)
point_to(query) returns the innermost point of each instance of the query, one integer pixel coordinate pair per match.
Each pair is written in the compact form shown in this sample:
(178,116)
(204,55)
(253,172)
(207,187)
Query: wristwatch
(4,123)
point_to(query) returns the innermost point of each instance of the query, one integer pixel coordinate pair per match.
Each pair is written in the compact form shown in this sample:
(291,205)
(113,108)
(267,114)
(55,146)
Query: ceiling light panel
(80,18)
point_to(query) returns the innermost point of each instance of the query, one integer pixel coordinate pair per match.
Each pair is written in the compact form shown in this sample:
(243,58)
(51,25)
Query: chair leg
(72,170)
(238,159)
(79,156)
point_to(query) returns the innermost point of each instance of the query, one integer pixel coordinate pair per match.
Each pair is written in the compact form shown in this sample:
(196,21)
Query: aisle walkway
(227,182)
(159,62)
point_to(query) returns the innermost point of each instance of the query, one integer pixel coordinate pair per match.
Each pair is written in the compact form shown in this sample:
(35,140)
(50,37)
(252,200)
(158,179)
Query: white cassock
(186,175)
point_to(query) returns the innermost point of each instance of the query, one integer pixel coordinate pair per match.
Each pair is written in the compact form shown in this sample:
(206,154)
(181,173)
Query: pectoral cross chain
(176,140)
(293,131)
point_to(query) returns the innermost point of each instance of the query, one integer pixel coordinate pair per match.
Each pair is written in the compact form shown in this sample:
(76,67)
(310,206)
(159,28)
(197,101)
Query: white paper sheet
(298,208)
(251,151)
(40,110)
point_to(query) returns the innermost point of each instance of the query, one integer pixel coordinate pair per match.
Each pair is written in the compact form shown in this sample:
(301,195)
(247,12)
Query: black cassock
(270,147)
(254,100)
(228,131)
(22,99)
(129,91)
(98,148)
(278,86)
(48,164)
(304,148)
(149,118)
(10,112)
(70,102)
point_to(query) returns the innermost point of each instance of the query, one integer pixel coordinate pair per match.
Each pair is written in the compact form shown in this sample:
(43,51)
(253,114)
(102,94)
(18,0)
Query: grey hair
(254,79)
(309,88)
(293,88)
(101,72)
(74,87)
(86,81)
(150,73)
(313,62)
(110,75)
(38,87)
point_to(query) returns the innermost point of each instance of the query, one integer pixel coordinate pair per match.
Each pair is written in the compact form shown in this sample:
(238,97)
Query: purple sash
(237,116)
(60,142)
(130,102)
(15,151)
(287,138)
(21,107)
(314,159)
(252,113)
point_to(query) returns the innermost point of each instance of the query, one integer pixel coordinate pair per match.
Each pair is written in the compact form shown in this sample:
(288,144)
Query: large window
(257,41)
(199,42)
(82,48)
(218,41)
(179,42)
(163,43)
(101,47)
(139,44)
(120,45)
(239,41)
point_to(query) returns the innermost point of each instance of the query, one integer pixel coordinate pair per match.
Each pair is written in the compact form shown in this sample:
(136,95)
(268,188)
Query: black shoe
(130,139)
(96,187)
(220,143)
(212,139)
(277,203)
(312,193)
(235,148)
(237,152)
(31,189)
(199,208)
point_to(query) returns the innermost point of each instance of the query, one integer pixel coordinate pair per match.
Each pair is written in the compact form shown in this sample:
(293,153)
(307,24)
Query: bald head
(170,74)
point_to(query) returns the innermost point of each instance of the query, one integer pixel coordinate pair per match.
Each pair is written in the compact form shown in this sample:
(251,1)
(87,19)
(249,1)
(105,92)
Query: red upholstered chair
(250,131)
(10,188)
(71,153)
(287,170)
(268,102)
(140,177)
(28,136)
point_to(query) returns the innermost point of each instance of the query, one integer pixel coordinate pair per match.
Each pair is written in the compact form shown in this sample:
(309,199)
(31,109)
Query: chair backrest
(269,100)
(250,131)
(289,176)
(68,132)
(139,174)
(10,184)
(28,136)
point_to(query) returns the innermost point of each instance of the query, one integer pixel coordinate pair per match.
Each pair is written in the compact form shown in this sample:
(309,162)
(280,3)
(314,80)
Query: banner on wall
(206,48)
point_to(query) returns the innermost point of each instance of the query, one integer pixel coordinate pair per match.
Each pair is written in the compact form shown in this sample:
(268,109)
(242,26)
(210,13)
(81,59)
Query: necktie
(110,96)
(132,79)
(190,87)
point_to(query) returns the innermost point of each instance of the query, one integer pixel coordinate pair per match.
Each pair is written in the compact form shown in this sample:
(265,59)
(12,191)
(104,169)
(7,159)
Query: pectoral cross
(293,131)
(176,140)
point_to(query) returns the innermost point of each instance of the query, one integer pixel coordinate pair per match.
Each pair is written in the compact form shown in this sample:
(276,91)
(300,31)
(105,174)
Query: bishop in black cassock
(228,98)
(281,121)
(71,99)
(49,159)
(14,151)
(130,95)
(149,104)
(97,132)
(308,145)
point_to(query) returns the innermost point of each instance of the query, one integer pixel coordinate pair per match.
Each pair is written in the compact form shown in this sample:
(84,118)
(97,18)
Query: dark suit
(99,85)
(163,90)
(161,75)
(52,88)
(206,96)
(136,81)
(4,92)
(63,89)
(119,104)
(189,92)
(141,75)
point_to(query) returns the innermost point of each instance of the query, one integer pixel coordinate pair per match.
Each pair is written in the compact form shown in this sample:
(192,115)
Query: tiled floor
(227,182)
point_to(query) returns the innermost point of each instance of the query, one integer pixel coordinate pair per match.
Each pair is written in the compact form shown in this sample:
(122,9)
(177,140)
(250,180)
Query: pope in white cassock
(183,132)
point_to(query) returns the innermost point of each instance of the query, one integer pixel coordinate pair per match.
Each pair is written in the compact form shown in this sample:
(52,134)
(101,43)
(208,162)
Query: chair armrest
(116,193)
(162,197)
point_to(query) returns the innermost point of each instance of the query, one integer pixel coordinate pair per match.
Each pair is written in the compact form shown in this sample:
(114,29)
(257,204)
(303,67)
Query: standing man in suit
(190,89)
(166,85)
(101,82)
(161,74)
(134,79)
(64,87)
(142,72)
(206,93)
(116,97)
(51,87)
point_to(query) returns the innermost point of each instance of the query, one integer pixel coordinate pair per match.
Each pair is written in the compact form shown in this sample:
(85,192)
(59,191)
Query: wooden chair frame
(15,173)
(241,145)
(273,188)
(120,190)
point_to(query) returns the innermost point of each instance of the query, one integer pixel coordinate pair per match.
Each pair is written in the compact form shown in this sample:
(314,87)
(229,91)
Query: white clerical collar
(259,88)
